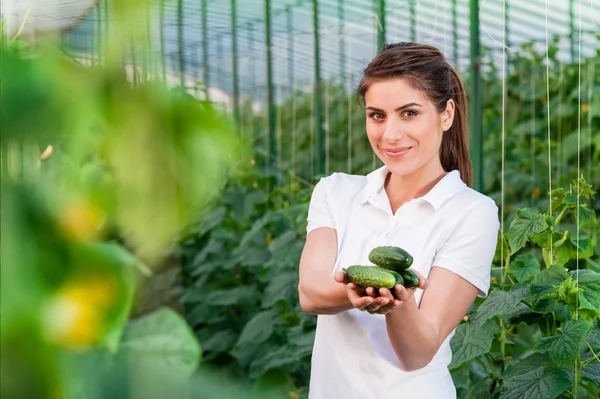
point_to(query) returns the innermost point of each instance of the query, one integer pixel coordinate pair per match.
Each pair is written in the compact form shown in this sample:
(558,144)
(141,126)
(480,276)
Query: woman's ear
(448,115)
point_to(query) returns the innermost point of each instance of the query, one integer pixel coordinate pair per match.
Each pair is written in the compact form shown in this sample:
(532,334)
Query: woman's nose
(393,131)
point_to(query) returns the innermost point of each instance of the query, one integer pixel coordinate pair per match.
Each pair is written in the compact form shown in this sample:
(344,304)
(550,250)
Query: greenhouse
(161,167)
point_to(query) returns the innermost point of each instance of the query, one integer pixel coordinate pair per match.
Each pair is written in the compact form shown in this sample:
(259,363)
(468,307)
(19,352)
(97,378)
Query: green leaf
(558,256)
(281,287)
(220,341)
(240,294)
(542,383)
(273,382)
(163,337)
(282,242)
(499,303)
(527,222)
(581,247)
(523,366)
(587,217)
(582,188)
(545,283)
(524,267)
(211,220)
(564,346)
(570,199)
(589,282)
(258,329)
(592,372)
(470,341)
(557,196)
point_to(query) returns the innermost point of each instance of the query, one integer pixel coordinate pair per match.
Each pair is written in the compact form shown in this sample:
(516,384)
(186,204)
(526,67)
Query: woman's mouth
(396,152)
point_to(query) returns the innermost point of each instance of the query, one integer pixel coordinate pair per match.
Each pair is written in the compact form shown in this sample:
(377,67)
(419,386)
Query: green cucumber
(410,278)
(369,276)
(397,276)
(391,258)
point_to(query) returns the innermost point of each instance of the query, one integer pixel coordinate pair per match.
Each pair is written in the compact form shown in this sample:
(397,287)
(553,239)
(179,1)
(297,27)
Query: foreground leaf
(524,267)
(471,341)
(164,338)
(500,303)
(542,383)
(546,283)
(564,346)
(526,223)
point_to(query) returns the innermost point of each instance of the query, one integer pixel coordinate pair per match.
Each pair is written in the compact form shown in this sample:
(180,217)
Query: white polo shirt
(452,226)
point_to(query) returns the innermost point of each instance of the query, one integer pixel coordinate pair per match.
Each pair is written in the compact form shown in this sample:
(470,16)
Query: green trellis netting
(253,55)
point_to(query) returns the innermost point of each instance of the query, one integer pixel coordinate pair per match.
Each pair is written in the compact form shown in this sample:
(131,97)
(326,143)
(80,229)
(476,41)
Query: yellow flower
(269,240)
(74,316)
(466,318)
(585,107)
(81,221)
(536,192)
(294,395)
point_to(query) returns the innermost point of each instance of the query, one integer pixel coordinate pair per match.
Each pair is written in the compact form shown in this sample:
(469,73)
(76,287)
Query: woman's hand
(378,301)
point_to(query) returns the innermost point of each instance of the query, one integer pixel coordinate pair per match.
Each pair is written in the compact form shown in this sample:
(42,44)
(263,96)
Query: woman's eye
(376,116)
(411,113)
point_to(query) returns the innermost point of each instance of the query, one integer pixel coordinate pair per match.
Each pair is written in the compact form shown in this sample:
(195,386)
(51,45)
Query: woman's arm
(417,333)
(319,292)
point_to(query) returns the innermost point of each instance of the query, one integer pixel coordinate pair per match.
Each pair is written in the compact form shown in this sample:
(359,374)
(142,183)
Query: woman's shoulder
(473,204)
(339,189)
(344,179)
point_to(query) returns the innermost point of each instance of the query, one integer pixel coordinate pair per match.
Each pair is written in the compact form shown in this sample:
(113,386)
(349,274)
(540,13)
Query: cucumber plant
(537,335)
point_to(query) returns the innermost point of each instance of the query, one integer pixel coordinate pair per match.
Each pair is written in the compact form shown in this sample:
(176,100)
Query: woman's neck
(403,188)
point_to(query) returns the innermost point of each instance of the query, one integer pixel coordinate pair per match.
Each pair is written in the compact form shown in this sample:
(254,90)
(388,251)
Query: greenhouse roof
(348,34)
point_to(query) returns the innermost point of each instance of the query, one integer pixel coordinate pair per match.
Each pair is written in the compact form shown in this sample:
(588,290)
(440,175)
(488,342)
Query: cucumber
(397,276)
(369,276)
(410,278)
(391,258)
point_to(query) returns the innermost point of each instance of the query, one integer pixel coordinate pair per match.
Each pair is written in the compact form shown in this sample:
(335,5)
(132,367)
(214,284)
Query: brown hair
(425,69)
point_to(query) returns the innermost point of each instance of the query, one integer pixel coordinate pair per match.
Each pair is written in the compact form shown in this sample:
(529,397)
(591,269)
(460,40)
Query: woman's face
(404,127)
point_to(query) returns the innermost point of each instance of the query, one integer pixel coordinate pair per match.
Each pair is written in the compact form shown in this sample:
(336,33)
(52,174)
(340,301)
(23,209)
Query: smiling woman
(370,343)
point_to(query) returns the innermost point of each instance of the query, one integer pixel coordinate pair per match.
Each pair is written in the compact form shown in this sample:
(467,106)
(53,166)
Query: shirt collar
(445,189)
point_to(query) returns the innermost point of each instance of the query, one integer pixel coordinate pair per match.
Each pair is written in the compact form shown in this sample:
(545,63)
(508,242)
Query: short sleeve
(319,213)
(470,248)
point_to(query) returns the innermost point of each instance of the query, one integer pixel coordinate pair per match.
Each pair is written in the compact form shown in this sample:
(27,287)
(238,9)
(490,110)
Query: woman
(369,344)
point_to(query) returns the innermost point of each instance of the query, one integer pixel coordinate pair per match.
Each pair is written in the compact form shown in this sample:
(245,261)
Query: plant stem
(560,216)
(475,387)
(503,345)
(577,374)
(506,265)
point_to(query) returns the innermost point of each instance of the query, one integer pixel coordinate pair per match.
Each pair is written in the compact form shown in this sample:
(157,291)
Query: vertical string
(548,112)
(502,271)
(278,129)
(532,136)
(349,118)
(294,127)
(578,162)
(327,102)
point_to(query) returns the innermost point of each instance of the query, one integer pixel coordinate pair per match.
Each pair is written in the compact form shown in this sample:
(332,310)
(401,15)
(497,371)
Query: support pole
(320,136)
(413,21)
(381,29)
(234,63)
(270,91)
(476,106)
(205,64)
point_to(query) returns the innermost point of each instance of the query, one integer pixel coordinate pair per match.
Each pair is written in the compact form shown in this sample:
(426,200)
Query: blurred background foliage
(151,232)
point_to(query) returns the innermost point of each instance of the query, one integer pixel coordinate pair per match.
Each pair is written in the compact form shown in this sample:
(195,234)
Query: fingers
(423,282)
(341,277)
